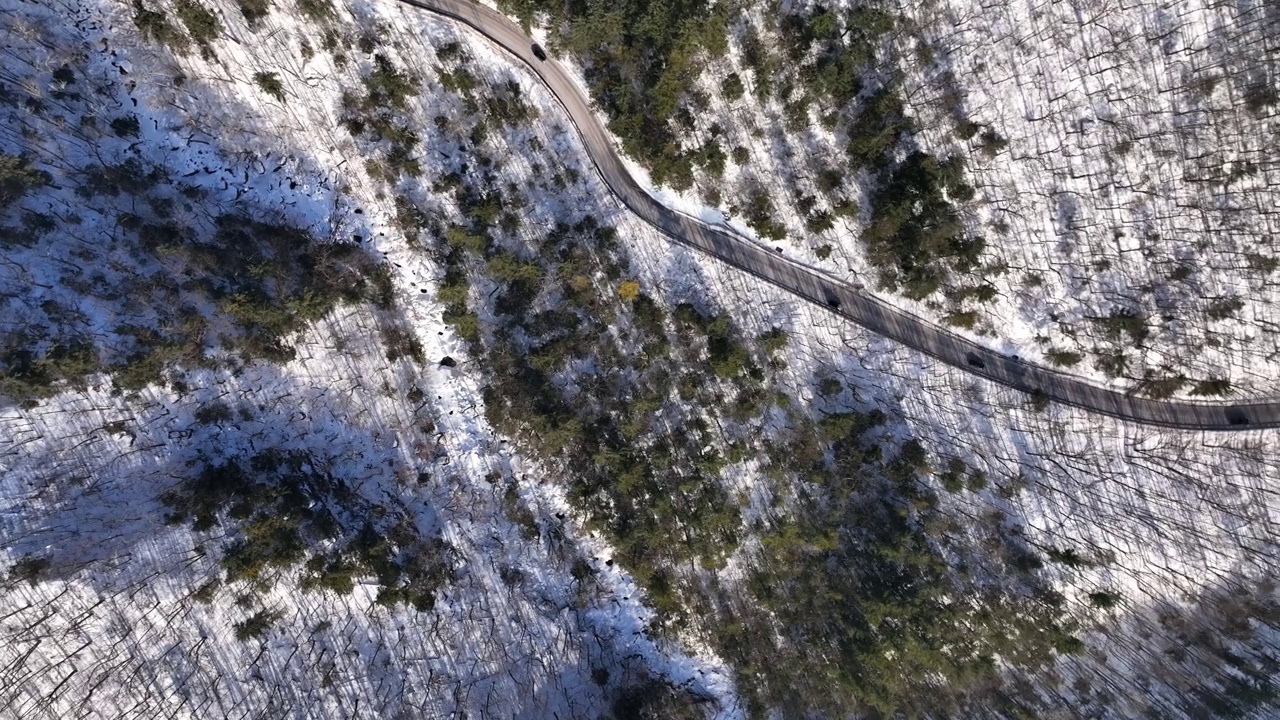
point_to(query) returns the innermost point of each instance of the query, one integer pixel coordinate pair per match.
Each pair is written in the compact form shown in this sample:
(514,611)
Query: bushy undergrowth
(244,287)
(853,603)
(282,509)
(377,115)
(863,600)
(642,60)
(267,281)
(18,177)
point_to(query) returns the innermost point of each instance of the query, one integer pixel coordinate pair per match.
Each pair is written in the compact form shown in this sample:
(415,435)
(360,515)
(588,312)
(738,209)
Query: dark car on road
(1236,416)
(539,52)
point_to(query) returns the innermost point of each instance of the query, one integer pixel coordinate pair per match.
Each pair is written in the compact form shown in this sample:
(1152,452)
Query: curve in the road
(842,299)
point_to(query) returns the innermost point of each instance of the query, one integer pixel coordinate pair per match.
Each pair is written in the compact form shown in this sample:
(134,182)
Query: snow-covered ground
(1180,525)
(1140,172)
(114,631)
(115,621)
(1172,522)
(1138,175)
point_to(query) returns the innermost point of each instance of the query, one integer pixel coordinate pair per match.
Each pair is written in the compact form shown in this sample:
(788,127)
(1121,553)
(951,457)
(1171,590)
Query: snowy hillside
(337,385)
(140,623)
(1139,176)
(1116,166)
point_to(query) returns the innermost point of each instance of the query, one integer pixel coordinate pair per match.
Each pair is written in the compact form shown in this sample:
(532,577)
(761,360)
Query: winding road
(838,297)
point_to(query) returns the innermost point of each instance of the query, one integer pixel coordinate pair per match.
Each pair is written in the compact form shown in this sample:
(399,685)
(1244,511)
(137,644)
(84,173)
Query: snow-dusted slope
(1178,526)
(1181,527)
(1140,173)
(1123,162)
(111,628)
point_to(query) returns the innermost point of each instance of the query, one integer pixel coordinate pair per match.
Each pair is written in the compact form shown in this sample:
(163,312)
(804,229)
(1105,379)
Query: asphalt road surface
(840,298)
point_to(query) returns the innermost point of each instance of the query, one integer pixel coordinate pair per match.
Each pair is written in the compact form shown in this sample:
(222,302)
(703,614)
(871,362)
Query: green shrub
(1219,388)
(462,238)
(1113,365)
(268,541)
(819,222)
(505,105)
(387,86)
(830,387)
(278,506)
(318,11)
(212,414)
(400,342)
(732,87)
(508,268)
(330,573)
(522,516)
(992,142)
(26,376)
(1104,600)
(953,479)
(878,129)
(257,625)
(130,177)
(727,356)
(454,289)
(207,591)
(464,322)
(254,10)
(1123,321)
(773,340)
(966,129)
(1262,263)
(915,238)
(1224,308)
(203,26)
(270,84)
(759,215)
(841,426)
(30,569)
(962,318)
(1064,358)
(155,25)
(649,697)
(1068,557)
(1260,95)
(274,279)
(18,177)
(1163,388)
(639,59)
(459,80)
(450,51)
(856,614)
(126,126)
